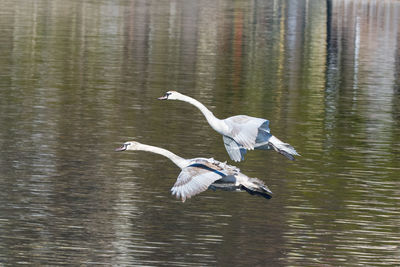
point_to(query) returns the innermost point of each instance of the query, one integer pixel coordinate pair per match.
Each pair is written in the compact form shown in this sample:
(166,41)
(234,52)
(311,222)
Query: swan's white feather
(244,129)
(198,176)
(235,151)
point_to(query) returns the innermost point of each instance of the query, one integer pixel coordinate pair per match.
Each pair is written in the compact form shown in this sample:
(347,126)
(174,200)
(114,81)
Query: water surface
(78,78)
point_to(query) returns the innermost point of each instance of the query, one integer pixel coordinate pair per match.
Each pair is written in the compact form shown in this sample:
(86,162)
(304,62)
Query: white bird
(200,174)
(240,133)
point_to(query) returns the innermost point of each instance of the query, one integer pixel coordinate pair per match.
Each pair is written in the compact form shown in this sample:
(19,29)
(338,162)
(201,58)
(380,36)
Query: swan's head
(130,145)
(171,95)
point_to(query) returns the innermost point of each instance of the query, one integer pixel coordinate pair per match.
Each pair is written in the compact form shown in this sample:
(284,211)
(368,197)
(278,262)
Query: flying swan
(240,133)
(200,174)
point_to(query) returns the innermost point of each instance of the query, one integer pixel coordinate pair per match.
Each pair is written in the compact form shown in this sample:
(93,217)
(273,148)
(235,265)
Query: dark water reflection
(77,78)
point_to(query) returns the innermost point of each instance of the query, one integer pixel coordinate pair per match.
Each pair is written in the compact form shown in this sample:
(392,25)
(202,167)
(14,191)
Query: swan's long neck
(217,124)
(180,162)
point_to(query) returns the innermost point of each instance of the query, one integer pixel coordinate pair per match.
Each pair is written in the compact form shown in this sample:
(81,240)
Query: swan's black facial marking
(165,97)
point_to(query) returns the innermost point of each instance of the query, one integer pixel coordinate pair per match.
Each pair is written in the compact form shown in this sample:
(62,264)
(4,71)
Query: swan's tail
(255,186)
(282,148)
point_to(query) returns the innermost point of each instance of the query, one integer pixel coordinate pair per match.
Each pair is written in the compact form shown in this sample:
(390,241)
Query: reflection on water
(78,78)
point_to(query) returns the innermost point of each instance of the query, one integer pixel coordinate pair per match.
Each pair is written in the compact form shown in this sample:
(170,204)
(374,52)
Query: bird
(240,133)
(199,174)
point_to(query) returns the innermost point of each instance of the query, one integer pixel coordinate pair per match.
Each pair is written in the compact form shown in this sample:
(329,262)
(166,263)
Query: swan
(200,174)
(240,133)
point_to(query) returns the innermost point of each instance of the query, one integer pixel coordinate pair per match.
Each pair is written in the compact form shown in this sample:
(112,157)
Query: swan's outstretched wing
(236,152)
(244,129)
(196,178)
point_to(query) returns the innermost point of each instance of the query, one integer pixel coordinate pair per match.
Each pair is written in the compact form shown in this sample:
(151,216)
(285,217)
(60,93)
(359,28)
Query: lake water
(79,78)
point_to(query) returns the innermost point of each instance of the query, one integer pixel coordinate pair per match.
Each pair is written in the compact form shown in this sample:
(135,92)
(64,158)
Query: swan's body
(240,133)
(199,174)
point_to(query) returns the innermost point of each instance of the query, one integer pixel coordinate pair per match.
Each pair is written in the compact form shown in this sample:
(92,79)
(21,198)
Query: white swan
(241,132)
(199,174)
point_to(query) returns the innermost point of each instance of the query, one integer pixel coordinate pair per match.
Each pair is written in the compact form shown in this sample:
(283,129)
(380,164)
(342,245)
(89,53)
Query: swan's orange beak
(122,148)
